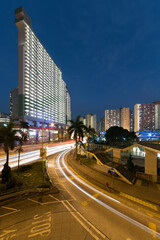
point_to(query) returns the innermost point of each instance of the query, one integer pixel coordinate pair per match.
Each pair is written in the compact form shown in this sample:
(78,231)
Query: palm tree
(90,131)
(77,127)
(22,138)
(8,138)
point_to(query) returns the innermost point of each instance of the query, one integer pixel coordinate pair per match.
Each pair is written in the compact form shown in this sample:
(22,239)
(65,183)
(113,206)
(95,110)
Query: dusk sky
(108,50)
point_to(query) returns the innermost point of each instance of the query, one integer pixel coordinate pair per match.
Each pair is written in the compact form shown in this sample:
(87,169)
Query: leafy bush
(3,187)
(25,168)
(12,181)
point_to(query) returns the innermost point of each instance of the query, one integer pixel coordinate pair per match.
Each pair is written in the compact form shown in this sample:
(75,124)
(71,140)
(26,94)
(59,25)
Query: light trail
(134,222)
(28,157)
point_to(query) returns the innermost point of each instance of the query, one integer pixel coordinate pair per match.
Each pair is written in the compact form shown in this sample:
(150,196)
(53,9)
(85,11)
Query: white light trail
(136,223)
(28,157)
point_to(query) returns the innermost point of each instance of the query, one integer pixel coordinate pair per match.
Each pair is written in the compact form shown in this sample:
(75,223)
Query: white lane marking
(136,223)
(86,220)
(80,180)
(80,221)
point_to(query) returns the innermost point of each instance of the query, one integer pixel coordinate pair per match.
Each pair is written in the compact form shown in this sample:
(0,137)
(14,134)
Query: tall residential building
(156,119)
(125,118)
(122,117)
(42,93)
(68,107)
(147,116)
(83,119)
(112,118)
(14,103)
(4,119)
(91,120)
(102,125)
(143,117)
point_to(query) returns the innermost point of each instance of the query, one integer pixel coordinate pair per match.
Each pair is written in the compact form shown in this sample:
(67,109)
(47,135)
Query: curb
(20,193)
(145,203)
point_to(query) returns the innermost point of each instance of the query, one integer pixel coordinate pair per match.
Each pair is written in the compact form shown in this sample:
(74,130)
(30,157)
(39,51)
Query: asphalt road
(79,211)
(109,216)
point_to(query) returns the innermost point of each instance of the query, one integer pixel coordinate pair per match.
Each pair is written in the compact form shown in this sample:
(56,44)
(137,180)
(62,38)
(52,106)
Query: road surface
(79,211)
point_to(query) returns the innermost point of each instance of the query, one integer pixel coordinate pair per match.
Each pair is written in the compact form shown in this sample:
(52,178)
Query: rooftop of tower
(21,14)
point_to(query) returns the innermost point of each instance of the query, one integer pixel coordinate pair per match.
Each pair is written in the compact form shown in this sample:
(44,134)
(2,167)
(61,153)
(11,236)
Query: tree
(77,128)
(117,135)
(8,138)
(91,132)
(23,136)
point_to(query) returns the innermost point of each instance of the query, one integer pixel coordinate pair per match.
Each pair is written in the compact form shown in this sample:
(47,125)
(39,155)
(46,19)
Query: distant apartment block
(102,125)
(122,117)
(91,120)
(83,119)
(14,103)
(112,118)
(147,116)
(68,107)
(4,119)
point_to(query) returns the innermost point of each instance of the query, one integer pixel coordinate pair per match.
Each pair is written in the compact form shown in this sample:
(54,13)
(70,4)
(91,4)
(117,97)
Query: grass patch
(32,175)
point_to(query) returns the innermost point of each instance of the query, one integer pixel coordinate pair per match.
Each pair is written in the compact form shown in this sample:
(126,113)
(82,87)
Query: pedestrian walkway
(142,190)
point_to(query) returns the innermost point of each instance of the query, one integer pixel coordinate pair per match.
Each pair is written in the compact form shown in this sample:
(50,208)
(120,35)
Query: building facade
(147,116)
(156,119)
(144,117)
(4,119)
(14,103)
(91,120)
(122,117)
(68,107)
(112,118)
(43,97)
(102,125)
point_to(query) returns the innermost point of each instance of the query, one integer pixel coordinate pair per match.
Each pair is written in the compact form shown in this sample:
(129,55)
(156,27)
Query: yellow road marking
(149,205)
(85,203)
(71,177)
(149,214)
(102,190)
(34,201)
(12,209)
(53,197)
(153,227)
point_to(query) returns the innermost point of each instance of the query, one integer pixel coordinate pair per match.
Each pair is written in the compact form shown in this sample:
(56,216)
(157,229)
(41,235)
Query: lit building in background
(147,116)
(122,117)
(143,117)
(4,119)
(126,118)
(156,119)
(83,119)
(102,125)
(112,118)
(42,94)
(91,120)
(14,104)
(68,107)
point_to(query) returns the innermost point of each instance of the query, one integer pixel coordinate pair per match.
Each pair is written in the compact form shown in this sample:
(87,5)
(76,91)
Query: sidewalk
(98,175)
